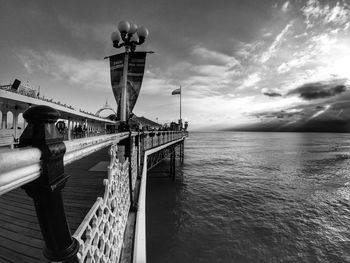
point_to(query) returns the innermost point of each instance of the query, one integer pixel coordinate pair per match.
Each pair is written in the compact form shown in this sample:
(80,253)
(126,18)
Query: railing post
(128,154)
(138,148)
(42,133)
(142,149)
(158,137)
(152,135)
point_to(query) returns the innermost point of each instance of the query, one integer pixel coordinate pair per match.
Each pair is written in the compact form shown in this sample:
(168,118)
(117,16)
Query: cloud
(204,73)
(248,51)
(285,6)
(294,63)
(316,13)
(211,57)
(201,82)
(319,90)
(270,93)
(276,43)
(325,116)
(89,73)
(280,114)
(86,32)
(250,80)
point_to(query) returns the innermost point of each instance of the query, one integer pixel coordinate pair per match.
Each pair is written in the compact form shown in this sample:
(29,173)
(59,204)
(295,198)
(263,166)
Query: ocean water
(253,197)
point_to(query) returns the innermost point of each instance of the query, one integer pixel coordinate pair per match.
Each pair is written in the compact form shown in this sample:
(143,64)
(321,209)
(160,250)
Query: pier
(80,200)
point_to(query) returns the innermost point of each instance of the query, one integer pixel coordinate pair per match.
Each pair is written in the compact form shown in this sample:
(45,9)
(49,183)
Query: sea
(252,197)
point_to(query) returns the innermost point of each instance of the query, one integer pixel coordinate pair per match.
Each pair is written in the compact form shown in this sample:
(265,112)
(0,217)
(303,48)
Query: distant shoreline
(263,131)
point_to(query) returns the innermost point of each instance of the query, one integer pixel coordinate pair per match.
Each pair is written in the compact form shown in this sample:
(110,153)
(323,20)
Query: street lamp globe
(133,28)
(115,37)
(129,35)
(124,27)
(142,32)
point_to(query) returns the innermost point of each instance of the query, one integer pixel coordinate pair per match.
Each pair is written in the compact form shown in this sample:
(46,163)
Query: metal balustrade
(38,166)
(22,165)
(100,235)
(140,228)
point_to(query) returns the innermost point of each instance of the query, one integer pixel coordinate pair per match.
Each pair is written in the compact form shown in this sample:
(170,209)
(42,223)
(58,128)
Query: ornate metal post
(42,133)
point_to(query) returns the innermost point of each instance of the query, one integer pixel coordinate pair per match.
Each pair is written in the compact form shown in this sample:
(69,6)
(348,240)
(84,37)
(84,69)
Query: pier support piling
(172,162)
(182,151)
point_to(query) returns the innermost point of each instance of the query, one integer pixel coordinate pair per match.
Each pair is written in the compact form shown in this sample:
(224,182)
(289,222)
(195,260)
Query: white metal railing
(80,148)
(18,167)
(101,233)
(21,166)
(140,228)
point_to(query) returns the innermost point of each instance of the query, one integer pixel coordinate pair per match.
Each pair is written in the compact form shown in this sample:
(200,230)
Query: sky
(243,64)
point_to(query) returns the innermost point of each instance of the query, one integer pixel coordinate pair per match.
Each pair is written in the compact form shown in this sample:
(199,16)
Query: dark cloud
(278,114)
(319,90)
(331,125)
(330,115)
(272,94)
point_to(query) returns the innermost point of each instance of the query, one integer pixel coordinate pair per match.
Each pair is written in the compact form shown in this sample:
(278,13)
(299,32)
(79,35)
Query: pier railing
(140,228)
(38,167)
(23,165)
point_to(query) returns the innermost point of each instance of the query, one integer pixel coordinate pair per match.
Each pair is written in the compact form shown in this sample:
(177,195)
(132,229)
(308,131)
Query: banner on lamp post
(136,68)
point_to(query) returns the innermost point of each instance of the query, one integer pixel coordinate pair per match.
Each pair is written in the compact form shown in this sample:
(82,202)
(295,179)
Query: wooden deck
(20,236)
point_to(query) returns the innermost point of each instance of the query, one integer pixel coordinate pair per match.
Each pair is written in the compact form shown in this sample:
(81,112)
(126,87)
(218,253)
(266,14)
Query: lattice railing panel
(101,233)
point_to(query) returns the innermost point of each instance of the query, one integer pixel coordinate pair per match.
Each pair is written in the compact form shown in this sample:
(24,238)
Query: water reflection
(254,197)
(164,214)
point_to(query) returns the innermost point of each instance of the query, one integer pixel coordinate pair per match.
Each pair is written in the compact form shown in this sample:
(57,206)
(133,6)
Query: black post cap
(41,114)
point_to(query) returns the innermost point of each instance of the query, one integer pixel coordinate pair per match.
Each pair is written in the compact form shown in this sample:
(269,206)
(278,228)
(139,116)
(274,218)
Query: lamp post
(128,35)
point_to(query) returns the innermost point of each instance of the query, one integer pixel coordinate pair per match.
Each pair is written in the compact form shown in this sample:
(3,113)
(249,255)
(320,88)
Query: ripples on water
(254,197)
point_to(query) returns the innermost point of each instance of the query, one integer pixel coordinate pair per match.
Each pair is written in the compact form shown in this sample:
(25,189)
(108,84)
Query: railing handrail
(80,148)
(21,166)
(140,227)
(18,167)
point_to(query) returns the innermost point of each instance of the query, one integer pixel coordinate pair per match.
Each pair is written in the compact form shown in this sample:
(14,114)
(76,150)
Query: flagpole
(180,102)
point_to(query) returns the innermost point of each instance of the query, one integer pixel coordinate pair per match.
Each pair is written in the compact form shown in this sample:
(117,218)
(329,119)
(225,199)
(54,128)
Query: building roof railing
(34,98)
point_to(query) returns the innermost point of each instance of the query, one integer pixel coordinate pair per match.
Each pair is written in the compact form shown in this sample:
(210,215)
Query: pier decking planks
(20,235)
